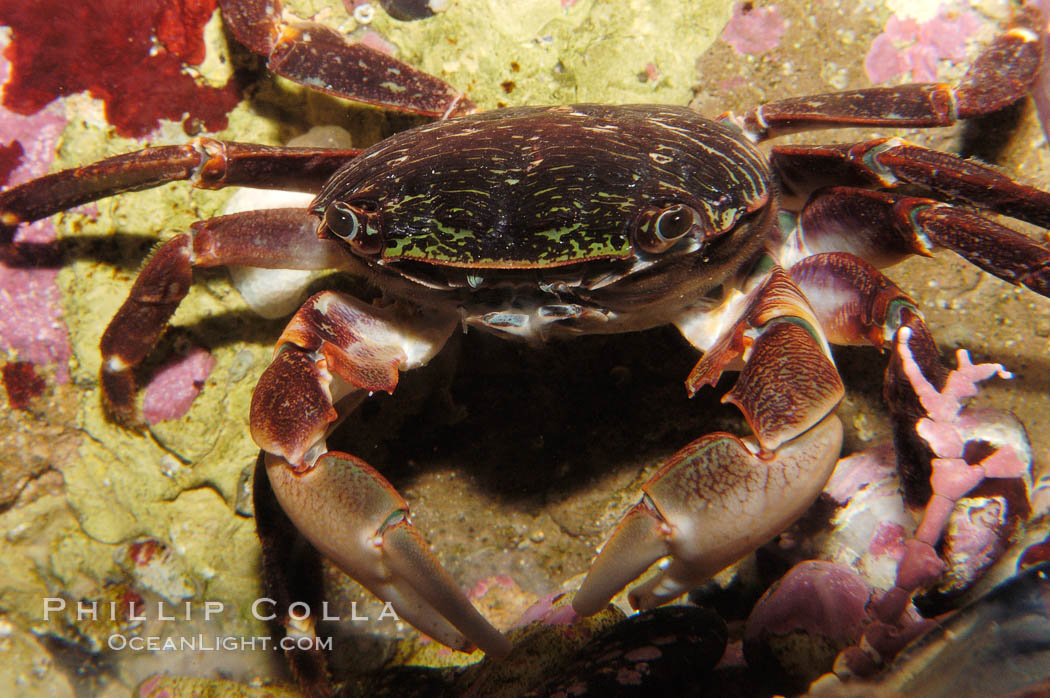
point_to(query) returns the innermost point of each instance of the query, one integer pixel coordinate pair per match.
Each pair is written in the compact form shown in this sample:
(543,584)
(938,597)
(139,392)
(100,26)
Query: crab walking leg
(721,497)
(885,227)
(857,304)
(318,57)
(1000,76)
(336,351)
(281,238)
(894,162)
(205,162)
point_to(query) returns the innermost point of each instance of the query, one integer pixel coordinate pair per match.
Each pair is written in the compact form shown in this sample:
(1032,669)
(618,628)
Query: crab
(538,223)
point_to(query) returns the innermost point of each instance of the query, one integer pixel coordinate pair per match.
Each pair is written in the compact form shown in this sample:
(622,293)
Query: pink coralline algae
(548,612)
(176,385)
(816,610)
(133,56)
(754,29)
(914,49)
(946,431)
(375,40)
(31,327)
(980,475)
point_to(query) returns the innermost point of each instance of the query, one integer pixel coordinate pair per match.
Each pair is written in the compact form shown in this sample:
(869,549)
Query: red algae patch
(21,383)
(10,158)
(132,56)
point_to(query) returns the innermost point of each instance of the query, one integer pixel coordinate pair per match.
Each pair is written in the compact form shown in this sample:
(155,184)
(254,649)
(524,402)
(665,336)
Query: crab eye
(358,223)
(673,223)
(660,228)
(342,220)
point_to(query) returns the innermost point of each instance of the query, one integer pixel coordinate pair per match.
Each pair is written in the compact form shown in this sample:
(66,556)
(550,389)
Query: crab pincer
(335,352)
(356,519)
(713,502)
(720,497)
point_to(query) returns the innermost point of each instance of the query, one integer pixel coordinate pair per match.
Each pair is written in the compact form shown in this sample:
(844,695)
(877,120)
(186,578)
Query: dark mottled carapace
(536,187)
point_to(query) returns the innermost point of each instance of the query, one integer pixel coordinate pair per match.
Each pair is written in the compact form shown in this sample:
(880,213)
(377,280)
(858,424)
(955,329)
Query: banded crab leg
(335,352)
(274,239)
(721,497)
(207,164)
(857,304)
(893,162)
(884,227)
(307,53)
(314,55)
(1000,76)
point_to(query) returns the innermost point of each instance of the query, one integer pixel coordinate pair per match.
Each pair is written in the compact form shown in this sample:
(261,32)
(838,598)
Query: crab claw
(333,353)
(712,503)
(356,519)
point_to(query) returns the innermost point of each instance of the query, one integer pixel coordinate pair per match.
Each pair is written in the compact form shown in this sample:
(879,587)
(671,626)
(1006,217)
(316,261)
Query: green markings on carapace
(443,245)
(531,187)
